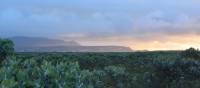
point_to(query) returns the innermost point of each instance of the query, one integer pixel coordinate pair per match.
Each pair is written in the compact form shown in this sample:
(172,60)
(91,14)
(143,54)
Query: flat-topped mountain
(38,44)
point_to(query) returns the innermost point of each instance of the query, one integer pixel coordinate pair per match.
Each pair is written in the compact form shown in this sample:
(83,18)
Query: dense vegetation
(6,48)
(170,69)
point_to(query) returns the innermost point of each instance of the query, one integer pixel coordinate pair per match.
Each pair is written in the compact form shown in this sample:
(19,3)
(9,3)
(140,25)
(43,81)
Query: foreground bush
(180,73)
(191,53)
(27,74)
(6,48)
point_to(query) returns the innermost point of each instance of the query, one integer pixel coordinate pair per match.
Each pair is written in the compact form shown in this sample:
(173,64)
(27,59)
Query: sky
(139,24)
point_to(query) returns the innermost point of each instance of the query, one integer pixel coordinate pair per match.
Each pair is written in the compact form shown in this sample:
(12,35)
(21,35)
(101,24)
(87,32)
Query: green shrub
(6,48)
(191,53)
(179,73)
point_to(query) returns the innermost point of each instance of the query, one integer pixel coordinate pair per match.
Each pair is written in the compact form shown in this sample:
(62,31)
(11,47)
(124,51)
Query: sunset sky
(139,24)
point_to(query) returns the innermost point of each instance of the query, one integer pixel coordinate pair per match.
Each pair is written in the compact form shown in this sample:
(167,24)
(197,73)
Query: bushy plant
(176,74)
(19,74)
(6,48)
(191,53)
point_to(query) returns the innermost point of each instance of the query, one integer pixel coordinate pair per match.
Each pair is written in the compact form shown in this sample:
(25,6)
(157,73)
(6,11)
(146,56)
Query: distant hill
(38,44)
(75,49)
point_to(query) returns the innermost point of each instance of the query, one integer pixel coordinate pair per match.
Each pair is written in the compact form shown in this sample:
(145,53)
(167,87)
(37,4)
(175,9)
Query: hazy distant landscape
(99,44)
(39,44)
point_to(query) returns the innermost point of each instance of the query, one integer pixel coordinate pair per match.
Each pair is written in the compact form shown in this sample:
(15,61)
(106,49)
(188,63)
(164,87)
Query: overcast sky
(139,24)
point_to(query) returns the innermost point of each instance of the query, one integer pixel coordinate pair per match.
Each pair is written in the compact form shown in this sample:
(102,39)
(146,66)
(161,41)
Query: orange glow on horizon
(175,42)
(170,43)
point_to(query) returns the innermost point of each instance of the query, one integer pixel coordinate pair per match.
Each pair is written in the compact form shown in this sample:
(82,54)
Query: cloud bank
(134,22)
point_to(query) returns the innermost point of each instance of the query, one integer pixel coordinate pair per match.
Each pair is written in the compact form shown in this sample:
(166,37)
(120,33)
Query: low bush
(191,53)
(6,48)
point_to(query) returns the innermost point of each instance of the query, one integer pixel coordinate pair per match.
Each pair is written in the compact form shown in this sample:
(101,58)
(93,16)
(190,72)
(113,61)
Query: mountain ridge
(40,44)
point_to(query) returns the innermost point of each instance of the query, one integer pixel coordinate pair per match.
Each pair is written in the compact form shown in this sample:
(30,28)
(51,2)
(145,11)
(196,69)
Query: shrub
(6,48)
(191,53)
(179,73)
